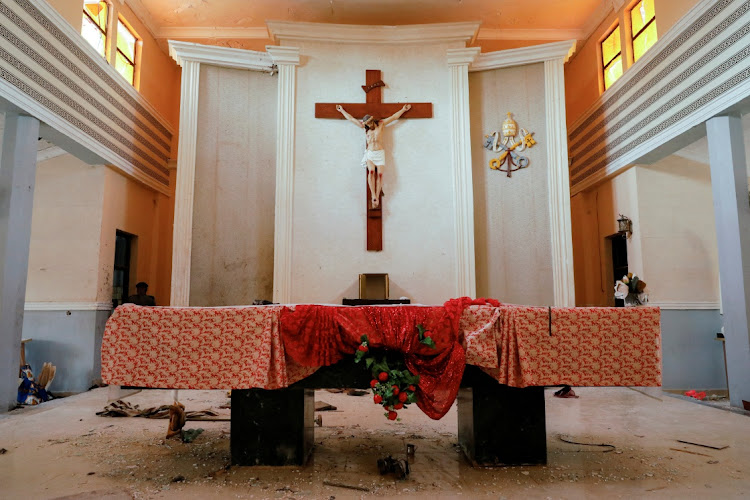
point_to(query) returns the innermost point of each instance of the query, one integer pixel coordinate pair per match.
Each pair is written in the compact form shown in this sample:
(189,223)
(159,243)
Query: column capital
(288,56)
(459,57)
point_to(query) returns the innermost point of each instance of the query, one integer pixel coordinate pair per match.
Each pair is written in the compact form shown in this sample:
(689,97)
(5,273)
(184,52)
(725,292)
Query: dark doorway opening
(121,274)
(619,261)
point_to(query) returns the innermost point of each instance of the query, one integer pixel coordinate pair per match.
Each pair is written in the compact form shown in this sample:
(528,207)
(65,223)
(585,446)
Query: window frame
(633,36)
(106,31)
(600,52)
(137,47)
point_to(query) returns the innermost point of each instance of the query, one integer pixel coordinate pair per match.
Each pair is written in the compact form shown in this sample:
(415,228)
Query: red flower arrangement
(393,385)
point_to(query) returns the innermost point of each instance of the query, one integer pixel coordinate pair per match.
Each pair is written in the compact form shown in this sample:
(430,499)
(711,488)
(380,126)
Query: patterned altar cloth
(242,347)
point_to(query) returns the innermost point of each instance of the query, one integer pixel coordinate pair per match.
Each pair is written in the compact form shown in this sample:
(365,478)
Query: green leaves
(400,383)
(425,337)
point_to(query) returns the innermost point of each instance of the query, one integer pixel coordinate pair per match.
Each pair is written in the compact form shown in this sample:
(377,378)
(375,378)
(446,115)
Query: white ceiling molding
(220,56)
(596,18)
(529,34)
(262,33)
(351,33)
(143,15)
(524,55)
(201,32)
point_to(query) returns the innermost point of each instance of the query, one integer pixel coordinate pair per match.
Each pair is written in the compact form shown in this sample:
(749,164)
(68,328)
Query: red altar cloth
(242,347)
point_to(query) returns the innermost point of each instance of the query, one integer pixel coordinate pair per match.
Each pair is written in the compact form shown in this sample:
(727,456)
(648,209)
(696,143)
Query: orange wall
(160,75)
(582,71)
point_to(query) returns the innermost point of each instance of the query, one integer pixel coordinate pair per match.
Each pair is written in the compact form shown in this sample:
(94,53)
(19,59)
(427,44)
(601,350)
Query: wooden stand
(497,425)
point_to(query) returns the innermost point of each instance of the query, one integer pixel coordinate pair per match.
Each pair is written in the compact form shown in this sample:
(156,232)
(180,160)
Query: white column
(17,176)
(559,184)
(182,238)
(458,62)
(287,60)
(726,151)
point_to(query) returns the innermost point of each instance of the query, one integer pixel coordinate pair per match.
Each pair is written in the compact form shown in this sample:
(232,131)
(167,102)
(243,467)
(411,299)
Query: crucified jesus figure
(374,158)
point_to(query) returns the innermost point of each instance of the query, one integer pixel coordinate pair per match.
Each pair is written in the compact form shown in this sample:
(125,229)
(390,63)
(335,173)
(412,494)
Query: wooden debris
(323,406)
(703,445)
(348,486)
(691,452)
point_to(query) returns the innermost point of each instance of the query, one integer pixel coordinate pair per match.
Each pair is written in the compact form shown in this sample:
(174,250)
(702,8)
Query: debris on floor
(189,435)
(323,406)
(121,408)
(390,465)
(700,396)
(565,392)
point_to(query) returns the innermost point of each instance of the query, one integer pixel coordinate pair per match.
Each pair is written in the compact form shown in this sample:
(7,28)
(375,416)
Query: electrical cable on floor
(568,439)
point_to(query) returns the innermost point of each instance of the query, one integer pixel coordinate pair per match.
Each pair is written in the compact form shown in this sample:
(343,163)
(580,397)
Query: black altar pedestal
(497,425)
(500,425)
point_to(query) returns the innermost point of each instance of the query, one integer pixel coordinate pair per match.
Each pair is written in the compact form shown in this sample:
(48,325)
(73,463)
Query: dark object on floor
(3,451)
(323,406)
(565,392)
(713,447)
(189,435)
(121,408)
(391,465)
(348,486)
(356,392)
(568,439)
(258,302)
(746,405)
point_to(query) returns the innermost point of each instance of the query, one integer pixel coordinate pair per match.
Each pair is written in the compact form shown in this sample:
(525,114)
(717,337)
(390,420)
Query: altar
(272,357)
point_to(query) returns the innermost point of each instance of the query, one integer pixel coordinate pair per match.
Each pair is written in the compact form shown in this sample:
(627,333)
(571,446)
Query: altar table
(514,351)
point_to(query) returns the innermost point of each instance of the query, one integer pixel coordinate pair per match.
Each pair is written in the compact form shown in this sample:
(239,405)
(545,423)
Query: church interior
(204,155)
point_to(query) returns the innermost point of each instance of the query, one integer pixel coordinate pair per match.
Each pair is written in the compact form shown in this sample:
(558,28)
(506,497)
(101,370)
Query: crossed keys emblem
(509,146)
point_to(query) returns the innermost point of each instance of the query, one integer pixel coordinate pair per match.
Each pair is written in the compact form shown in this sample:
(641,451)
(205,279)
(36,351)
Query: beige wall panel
(678,231)
(419,214)
(65,231)
(233,211)
(512,220)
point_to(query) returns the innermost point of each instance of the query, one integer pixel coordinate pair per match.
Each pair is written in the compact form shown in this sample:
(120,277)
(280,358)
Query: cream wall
(511,215)
(678,233)
(673,245)
(65,232)
(233,210)
(144,213)
(329,229)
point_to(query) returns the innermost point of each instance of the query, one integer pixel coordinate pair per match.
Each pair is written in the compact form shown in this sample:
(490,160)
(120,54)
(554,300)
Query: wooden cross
(373,106)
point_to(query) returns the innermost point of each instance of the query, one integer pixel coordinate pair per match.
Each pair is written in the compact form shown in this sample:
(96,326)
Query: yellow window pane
(644,41)
(93,35)
(611,46)
(125,41)
(98,11)
(613,72)
(641,14)
(124,67)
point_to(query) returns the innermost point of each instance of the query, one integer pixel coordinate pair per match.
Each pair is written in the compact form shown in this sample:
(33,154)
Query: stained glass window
(127,44)
(643,20)
(612,58)
(94,27)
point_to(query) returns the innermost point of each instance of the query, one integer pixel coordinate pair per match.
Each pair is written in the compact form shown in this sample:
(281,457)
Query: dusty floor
(62,449)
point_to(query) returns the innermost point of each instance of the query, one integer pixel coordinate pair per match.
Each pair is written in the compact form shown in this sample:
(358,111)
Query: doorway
(619,261)
(121,274)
